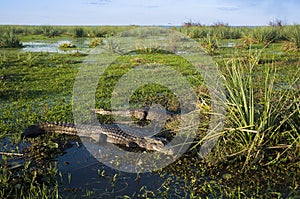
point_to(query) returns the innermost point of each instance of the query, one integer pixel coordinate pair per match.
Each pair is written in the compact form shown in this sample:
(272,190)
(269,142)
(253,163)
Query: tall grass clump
(210,44)
(79,32)
(50,31)
(292,34)
(265,35)
(104,31)
(9,40)
(224,32)
(220,32)
(258,114)
(196,32)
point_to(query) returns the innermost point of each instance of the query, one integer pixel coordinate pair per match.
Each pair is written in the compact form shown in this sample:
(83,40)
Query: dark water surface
(89,176)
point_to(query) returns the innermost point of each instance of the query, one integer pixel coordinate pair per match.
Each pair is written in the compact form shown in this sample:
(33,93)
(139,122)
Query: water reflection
(88,175)
(49,47)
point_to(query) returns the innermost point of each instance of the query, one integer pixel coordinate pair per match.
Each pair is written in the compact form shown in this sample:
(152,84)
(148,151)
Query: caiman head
(157,144)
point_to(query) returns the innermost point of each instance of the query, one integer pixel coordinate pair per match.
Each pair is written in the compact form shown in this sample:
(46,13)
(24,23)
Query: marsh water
(79,174)
(89,176)
(54,47)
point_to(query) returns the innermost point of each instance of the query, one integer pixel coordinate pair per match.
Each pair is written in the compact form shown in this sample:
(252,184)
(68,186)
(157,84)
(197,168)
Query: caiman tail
(42,128)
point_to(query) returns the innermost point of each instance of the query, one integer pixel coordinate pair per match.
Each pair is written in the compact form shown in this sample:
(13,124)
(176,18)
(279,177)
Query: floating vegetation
(52,47)
(66,44)
(95,42)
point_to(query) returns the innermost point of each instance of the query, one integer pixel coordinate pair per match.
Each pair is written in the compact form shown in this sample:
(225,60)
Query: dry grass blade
(11,154)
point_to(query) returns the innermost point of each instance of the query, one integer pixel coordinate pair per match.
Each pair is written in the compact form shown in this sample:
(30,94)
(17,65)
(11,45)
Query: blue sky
(147,12)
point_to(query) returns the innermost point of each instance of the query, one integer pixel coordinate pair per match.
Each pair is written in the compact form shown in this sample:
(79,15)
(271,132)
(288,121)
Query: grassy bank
(257,154)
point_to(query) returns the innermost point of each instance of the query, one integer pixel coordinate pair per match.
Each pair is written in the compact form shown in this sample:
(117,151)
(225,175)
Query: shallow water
(40,46)
(89,175)
(81,175)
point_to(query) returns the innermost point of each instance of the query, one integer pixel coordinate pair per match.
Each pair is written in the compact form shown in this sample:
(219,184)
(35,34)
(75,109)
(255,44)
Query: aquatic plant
(112,45)
(225,32)
(50,31)
(95,42)
(196,32)
(30,59)
(66,44)
(257,115)
(29,178)
(293,35)
(265,35)
(210,44)
(9,40)
(220,32)
(79,32)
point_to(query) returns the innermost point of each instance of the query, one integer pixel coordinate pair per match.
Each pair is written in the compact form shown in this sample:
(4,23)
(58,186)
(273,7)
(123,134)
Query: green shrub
(9,40)
(79,32)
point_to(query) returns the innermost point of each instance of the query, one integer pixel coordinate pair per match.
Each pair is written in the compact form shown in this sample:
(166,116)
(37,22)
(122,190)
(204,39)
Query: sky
(148,12)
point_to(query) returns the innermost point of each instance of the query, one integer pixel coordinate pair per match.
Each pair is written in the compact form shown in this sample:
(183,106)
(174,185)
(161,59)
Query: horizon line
(140,25)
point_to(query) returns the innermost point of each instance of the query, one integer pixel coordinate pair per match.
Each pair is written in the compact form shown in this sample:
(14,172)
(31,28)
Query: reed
(259,117)
(293,35)
(265,35)
(210,44)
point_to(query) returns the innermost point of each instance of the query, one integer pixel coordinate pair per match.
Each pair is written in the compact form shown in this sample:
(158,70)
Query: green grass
(258,114)
(152,93)
(256,156)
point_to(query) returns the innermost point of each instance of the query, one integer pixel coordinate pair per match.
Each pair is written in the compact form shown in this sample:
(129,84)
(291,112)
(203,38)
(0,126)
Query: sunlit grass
(259,146)
(258,113)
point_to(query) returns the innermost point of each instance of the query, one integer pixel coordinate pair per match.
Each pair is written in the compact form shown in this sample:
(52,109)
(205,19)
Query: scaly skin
(112,133)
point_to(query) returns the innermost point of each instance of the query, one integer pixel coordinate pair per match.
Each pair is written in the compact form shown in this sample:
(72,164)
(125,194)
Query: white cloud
(99,2)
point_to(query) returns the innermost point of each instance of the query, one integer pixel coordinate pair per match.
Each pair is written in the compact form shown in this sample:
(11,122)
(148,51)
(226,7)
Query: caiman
(100,133)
